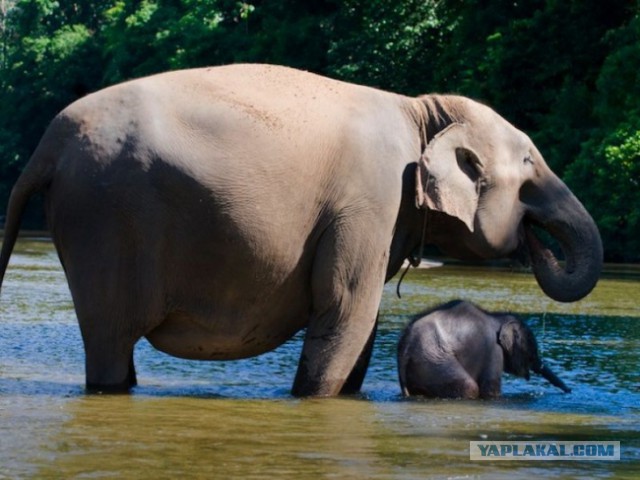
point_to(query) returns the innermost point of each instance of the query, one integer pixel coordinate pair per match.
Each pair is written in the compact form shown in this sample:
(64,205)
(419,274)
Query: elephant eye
(469,163)
(528,160)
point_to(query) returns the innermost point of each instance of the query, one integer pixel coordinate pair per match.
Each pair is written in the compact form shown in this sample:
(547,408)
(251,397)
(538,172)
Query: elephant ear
(515,340)
(448,175)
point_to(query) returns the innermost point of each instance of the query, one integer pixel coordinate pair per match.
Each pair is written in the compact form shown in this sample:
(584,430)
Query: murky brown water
(237,420)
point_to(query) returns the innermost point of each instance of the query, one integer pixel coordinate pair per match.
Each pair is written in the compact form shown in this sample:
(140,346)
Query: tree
(607,171)
(5,32)
(50,60)
(386,44)
(157,35)
(536,62)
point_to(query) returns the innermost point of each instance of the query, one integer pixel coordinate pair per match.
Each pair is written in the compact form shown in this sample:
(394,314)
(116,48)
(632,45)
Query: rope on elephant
(414,261)
(410,264)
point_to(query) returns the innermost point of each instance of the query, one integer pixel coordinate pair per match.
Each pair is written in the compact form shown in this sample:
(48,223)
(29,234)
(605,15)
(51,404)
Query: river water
(237,420)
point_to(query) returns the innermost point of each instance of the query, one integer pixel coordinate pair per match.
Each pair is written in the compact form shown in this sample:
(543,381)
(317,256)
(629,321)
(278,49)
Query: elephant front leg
(347,286)
(356,377)
(332,347)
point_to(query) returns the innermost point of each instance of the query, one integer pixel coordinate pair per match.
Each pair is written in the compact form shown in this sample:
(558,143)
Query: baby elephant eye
(528,160)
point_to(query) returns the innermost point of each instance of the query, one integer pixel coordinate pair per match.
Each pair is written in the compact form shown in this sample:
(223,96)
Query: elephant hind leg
(109,336)
(461,385)
(448,381)
(455,388)
(116,305)
(114,313)
(110,256)
(109,373)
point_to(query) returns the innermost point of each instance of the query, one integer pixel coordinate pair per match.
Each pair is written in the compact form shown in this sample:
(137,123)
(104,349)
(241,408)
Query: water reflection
(237,419)
(147,437)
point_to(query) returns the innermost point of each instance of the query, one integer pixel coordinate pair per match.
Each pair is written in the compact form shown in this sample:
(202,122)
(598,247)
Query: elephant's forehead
(488,122)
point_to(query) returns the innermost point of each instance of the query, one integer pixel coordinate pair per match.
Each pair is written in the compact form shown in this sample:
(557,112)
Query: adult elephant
(218,211)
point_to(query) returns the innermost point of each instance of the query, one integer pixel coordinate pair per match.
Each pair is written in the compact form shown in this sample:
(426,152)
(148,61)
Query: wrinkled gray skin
(458,350)
(218,211)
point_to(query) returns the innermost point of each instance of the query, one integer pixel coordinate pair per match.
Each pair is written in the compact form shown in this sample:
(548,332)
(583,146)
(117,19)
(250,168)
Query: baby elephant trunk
(553,379)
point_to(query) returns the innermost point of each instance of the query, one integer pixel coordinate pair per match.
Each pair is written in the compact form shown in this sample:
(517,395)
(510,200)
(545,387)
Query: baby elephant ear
(449,174)
(518,346)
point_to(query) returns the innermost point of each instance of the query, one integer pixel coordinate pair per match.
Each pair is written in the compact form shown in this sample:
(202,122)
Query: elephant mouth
(537,247)
(530,245)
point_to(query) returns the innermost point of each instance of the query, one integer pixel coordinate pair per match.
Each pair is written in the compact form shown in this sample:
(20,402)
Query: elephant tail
(37,175)
(403,387)
(403,361)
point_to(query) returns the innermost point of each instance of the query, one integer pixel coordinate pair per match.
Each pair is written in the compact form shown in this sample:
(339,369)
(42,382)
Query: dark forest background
(564,71)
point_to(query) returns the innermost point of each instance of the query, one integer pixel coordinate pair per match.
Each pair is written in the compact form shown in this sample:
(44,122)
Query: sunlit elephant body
(457,350)
(218,211)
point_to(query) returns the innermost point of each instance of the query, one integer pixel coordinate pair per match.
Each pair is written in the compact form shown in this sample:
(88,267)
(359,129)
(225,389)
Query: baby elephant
(458,350)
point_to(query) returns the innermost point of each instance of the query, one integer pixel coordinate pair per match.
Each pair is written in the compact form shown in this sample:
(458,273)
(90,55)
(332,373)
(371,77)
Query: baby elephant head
(521,352)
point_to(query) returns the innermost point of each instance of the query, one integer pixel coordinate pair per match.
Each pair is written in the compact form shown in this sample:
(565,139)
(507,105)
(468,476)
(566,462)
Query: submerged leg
(108,370)
(111,323)
(347,283)
(448,380)
(115,306)
(356,378)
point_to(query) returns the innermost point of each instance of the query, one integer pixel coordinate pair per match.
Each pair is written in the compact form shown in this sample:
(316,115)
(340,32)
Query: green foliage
(386,43)
(566,72)
(536,63)
(141,38)
(608,178)
(151,36)
(51,59)
(607,170)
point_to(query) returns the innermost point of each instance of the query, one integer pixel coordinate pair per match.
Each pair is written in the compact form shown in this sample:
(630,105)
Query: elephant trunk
(564,217)
(553,379)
